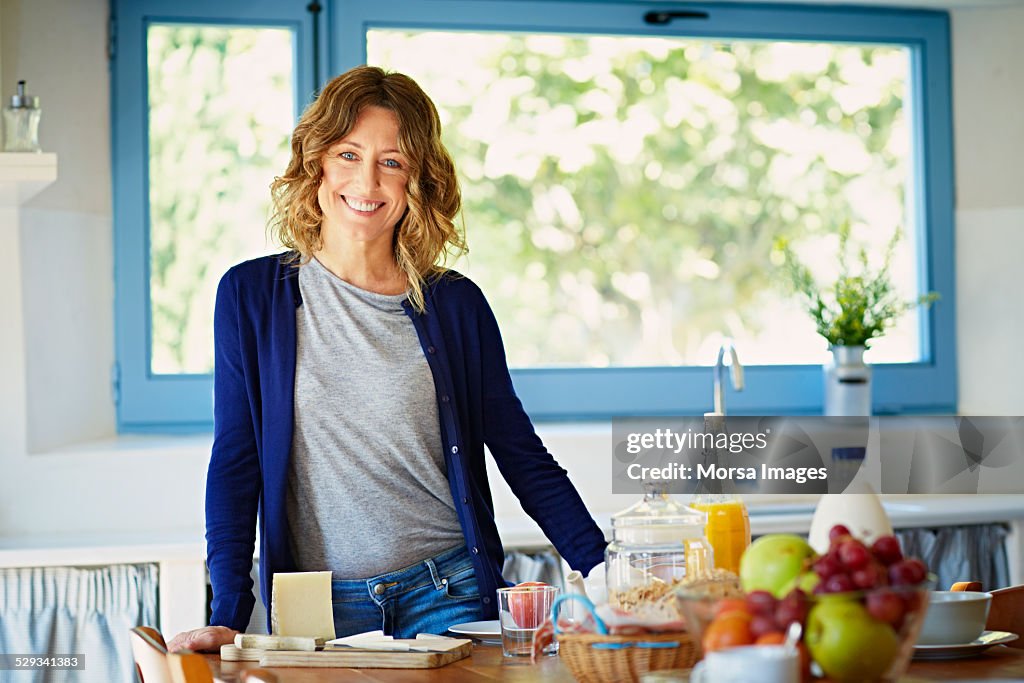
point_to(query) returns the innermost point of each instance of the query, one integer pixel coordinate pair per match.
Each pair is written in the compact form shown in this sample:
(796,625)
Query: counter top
(487,665)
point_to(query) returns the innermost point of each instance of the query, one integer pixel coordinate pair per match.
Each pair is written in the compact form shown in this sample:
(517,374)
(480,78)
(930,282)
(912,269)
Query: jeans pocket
(461,585)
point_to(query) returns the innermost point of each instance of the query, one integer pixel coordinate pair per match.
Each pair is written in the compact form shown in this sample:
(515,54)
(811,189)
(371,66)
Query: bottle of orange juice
(728,527)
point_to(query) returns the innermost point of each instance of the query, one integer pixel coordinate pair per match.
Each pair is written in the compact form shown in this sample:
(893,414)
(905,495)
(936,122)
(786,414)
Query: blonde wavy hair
(426,236)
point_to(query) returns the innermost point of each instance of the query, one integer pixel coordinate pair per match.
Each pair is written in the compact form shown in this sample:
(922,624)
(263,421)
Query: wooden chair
(150,653)
(155,665)
(1007,613)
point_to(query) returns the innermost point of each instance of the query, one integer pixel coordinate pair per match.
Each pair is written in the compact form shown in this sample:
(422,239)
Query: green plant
(858,306)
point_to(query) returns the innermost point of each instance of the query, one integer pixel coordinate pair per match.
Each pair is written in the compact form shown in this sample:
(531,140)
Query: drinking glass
(521,611)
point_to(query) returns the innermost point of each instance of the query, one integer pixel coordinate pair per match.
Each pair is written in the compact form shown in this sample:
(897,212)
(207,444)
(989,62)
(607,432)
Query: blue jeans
(426,597)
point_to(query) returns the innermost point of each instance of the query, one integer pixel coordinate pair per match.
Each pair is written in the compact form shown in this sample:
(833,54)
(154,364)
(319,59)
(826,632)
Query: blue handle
(601,628)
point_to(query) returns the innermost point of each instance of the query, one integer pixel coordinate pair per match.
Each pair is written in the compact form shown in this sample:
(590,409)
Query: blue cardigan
(254,377)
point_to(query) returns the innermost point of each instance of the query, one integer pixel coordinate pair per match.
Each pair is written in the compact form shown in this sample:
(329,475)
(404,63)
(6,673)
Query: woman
(356,384)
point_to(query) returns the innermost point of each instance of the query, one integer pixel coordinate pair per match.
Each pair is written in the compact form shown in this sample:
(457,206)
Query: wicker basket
(594,658)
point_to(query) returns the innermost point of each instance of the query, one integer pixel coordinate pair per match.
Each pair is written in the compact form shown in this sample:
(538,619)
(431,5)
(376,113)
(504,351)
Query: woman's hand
(208,639)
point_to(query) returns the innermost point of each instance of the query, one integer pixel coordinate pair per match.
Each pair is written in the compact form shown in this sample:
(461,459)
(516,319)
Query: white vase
(847,382)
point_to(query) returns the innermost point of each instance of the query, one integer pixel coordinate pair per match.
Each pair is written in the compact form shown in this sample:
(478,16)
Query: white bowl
(954,618)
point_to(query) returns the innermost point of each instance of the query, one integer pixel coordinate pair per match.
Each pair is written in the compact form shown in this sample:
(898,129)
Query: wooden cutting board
(366,659)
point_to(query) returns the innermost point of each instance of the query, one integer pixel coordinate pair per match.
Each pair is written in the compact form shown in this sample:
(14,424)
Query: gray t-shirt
(367,485)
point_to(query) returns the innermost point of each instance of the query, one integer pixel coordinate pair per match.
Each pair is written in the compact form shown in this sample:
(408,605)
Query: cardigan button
(476,551)
(431,349)
(465,500)
(487,601)
(455,450)
(444,399)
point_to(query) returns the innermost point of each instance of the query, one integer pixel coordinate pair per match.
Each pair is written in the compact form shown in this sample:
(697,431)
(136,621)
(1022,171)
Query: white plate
(987,640)
(487,631)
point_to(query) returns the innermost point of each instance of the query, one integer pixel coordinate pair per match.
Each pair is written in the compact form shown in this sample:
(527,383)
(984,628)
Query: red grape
(870,576)
(791,608)
(919,567)
(837,532)
(761,602)
(839,583)
(886,606)
(828,565)
(907,572)
(887,550)
(853,554)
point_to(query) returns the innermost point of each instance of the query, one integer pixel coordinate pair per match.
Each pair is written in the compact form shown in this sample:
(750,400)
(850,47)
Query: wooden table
(487,665)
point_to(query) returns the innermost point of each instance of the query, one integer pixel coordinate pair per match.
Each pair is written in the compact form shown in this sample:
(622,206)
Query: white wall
(66,255)
(59,48)
(988,111)
(54,476)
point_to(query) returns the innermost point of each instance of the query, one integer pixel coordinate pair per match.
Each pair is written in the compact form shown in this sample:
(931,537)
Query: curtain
(541,565)
(974,552)
(65,610)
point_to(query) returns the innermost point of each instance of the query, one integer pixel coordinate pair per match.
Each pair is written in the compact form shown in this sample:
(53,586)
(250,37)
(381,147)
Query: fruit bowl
(866,635)
(853,636)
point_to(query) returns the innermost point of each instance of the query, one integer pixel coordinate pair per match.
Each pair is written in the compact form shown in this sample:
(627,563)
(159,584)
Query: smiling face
(363,193)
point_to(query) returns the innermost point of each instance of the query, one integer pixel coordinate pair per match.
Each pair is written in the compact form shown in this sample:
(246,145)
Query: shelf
(24,175)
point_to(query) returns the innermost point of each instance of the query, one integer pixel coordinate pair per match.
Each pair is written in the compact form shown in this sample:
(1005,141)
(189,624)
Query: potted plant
(859,306)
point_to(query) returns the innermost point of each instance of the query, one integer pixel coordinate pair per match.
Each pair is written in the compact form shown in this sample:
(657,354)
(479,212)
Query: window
(623,193)
(624,181)
(202,125)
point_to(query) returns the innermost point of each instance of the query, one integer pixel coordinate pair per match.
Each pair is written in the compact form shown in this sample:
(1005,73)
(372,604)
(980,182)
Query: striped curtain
(65,610)
(975,552)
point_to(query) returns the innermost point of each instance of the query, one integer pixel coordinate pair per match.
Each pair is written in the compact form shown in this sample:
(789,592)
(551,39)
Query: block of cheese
(256,641)
(301,605)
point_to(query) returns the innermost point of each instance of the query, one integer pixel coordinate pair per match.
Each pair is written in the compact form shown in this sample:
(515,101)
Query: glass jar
(21,122)
(655,544)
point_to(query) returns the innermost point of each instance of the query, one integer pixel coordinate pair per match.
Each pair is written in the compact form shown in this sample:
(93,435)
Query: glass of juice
(728,528)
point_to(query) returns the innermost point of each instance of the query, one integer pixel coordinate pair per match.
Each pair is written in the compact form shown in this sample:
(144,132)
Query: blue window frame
(168,402)
(183,402)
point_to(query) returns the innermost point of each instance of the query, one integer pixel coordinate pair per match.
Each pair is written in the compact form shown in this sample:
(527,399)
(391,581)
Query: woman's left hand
(207,639)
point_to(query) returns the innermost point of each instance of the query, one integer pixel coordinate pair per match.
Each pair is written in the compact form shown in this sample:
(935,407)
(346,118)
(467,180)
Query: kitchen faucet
(736,372)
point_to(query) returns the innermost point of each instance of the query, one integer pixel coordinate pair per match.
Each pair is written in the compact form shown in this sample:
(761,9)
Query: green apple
(773,562)
(847,643)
